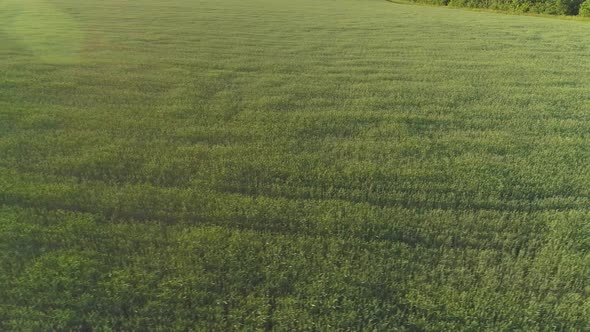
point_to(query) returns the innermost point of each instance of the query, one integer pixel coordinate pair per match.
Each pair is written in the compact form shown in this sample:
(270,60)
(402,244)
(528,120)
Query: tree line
(552,7)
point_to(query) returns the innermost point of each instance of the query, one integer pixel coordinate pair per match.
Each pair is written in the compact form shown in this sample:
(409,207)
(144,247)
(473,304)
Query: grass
(291,166)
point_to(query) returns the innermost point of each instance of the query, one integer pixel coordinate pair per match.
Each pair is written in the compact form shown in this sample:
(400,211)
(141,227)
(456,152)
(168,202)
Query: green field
(301,165)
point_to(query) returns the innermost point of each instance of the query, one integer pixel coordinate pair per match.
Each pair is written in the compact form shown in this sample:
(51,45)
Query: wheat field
(303,165)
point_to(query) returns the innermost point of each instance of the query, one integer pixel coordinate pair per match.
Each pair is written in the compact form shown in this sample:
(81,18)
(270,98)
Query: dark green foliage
(434,2)
(569,7)
(304,165)
(553,7)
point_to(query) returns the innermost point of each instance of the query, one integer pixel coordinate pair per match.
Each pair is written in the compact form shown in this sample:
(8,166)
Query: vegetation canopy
(551,7)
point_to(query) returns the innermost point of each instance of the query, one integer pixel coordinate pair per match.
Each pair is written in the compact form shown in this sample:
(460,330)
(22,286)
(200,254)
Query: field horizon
(304,165)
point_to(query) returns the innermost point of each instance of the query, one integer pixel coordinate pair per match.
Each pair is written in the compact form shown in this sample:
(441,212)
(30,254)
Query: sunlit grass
(42,30)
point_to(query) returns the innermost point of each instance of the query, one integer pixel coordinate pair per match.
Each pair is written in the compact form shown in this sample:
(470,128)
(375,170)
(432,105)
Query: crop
(291,166)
